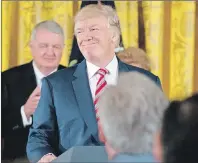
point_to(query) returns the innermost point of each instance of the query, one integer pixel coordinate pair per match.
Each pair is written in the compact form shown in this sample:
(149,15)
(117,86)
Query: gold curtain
(169,26)
(170,41)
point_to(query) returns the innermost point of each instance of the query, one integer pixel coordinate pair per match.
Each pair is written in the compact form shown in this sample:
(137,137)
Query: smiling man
(21,87)
(67,111)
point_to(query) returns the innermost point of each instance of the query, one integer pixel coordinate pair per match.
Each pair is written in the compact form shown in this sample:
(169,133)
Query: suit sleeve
(11,120)
(4,100)
(43,133)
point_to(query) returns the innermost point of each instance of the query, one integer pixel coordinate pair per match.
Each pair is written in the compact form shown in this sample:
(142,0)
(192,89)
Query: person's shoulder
(60,67)
(16,71)
(143,71)
(63,73)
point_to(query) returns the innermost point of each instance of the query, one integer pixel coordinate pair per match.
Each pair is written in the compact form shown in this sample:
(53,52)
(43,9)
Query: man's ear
(114,36)
(110,151)
(157,147)
(101,133)
(30,44)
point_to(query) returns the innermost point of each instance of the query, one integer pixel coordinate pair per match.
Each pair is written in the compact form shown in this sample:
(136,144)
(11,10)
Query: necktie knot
(102,71)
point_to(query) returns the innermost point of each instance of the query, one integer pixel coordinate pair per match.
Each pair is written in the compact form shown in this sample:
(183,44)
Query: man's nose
(50,50)
(88,35)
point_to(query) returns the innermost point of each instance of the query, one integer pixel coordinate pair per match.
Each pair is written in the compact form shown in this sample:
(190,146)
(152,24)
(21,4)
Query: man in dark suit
(66,115)
(21,87)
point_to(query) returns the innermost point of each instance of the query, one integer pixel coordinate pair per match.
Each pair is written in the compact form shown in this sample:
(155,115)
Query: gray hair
(49,25)
(94,10)
(131,113)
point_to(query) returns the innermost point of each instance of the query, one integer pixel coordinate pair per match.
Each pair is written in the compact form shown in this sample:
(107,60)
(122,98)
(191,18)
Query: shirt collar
(38,73)
(92,69)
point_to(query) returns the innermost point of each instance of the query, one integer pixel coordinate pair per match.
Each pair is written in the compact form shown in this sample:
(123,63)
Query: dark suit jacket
(65,115)
(17,85)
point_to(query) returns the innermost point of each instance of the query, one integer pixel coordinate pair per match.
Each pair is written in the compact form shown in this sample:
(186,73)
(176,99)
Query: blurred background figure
(178,140)
(135,57)
(130,115)
(21,87)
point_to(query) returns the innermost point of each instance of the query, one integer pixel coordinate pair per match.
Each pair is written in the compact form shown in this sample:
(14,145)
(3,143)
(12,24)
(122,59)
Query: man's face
(47,48)
(94,38)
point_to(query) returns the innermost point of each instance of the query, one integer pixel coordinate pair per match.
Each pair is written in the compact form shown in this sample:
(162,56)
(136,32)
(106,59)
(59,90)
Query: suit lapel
(84,98)
(30,80)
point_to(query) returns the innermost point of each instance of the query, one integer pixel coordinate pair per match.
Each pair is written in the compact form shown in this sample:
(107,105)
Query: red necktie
(100,87)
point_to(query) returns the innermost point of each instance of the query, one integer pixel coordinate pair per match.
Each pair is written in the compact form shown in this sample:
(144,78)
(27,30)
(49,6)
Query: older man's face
(47,48)
(94,38)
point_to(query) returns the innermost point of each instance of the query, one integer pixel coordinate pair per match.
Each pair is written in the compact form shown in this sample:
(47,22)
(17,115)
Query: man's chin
(50,65)
(92,58)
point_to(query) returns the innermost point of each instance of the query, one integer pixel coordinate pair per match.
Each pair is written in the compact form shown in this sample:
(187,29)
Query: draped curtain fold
(170,29)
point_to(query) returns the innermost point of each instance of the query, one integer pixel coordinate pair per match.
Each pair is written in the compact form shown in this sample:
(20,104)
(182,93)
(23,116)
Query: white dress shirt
(39,77)
(111,77)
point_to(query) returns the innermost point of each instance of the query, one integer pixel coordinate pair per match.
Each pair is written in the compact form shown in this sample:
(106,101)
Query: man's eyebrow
(94,25)
(79,29)
(40,43)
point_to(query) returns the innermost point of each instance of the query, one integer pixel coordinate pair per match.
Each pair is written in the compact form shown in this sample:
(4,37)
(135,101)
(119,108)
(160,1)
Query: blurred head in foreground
(130,115)
(178,141)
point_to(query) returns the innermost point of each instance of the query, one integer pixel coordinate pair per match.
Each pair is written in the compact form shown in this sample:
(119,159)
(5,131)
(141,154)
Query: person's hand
(32,102)
(47,158)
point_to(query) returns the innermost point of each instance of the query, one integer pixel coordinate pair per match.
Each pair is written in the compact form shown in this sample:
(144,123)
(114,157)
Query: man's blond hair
(97,10)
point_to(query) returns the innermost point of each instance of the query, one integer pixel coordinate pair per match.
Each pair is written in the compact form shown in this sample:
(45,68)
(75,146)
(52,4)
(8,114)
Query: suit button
(15,127)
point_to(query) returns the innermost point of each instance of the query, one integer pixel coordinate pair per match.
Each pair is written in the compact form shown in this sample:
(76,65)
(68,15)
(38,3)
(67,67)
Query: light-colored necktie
(100,87)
